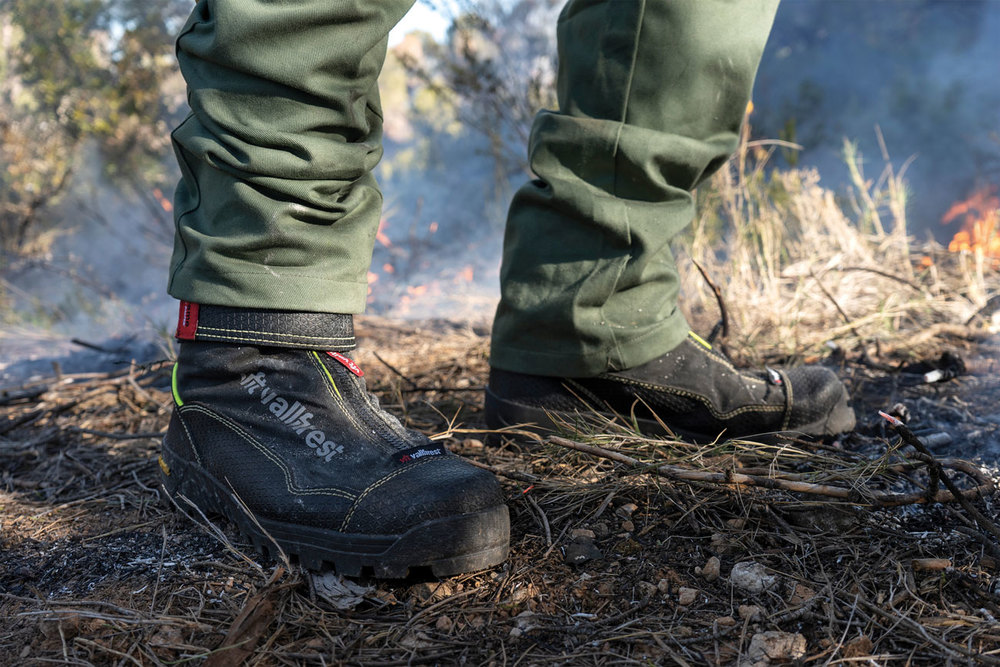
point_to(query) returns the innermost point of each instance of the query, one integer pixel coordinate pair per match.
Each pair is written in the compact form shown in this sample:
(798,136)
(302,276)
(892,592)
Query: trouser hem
(559,359)
(270,290)
(271,328)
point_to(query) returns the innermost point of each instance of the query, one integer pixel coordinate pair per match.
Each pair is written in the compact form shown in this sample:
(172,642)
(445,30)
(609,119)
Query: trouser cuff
(275,328)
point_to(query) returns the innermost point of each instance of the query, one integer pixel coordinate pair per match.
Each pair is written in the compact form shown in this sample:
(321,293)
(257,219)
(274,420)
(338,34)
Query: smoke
(97,277)
(923,72)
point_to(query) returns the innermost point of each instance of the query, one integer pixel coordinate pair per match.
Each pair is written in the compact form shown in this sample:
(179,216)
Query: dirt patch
(610,563)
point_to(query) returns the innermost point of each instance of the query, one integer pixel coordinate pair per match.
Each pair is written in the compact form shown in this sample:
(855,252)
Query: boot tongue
(348,363)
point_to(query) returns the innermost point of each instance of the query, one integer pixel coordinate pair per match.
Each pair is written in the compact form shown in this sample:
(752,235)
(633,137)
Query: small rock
(170,635)
(601,530)
(444,624)
(710,570)
(515,633)
(647,589)
(686,596)
(582,533)
(523,592)
(627,510)
(663,586)
(752,577)
(774,645)
(579,552)
(859,647)
(473,444)
(801,594)
(431,591)
(416,640)
(628,526)
(736,524)
(725,621)
(751,612)
(526,620)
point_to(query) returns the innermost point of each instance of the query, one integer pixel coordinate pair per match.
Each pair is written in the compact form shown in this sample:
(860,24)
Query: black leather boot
(274,430)
(693,390)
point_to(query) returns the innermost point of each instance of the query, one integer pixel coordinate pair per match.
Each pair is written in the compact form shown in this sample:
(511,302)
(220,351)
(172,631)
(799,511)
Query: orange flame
(164,203)
(980,216)
(380,234)
(417,293)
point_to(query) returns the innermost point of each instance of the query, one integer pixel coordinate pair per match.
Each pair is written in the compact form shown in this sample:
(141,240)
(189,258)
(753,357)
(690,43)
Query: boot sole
(504,413)
(446,546)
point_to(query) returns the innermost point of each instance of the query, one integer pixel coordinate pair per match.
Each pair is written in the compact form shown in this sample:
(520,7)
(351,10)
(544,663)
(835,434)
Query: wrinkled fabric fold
(277,206)
(651,98)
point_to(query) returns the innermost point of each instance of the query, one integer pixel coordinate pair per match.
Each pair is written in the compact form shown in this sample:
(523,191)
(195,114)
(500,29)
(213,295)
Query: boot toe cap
(423,492)
(819,402)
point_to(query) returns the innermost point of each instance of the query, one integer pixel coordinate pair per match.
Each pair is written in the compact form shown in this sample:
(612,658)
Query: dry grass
(803,267)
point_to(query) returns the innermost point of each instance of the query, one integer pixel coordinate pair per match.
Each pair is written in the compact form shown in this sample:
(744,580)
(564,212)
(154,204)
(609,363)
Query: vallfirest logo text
(294,415)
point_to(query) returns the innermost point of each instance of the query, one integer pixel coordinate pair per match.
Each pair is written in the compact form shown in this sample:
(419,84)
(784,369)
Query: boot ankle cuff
(280,328)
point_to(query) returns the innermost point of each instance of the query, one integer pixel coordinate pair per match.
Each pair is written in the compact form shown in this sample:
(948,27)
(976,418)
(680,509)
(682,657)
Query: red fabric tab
(349,363)
(187,321)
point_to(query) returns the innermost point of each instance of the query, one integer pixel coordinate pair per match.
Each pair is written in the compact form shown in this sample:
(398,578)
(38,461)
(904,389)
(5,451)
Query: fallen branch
(952,650)
(793,482)
(11,396)
(938,472)
(720,330)
(152,435)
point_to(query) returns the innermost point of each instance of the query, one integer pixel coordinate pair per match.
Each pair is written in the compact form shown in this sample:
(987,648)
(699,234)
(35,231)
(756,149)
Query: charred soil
(610,563)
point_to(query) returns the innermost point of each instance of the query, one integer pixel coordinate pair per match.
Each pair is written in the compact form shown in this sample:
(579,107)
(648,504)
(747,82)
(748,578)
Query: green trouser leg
(277,207)
(651,97)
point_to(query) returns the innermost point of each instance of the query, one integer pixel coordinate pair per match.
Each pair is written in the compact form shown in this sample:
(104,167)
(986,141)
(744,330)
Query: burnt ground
(610,564)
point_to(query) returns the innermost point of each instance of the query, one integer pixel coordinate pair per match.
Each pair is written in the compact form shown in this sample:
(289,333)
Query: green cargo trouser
(278,208)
